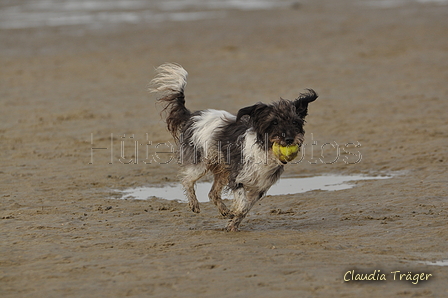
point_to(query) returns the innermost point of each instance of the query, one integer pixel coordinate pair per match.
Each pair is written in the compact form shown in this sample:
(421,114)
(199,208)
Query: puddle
(436,263)
(282,187)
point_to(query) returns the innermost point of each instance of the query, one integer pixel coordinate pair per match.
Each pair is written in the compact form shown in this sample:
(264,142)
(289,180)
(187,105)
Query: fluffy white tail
(169,84)
(170,79)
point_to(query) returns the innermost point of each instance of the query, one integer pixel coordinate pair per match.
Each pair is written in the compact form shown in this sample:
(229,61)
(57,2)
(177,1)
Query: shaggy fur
(237,150)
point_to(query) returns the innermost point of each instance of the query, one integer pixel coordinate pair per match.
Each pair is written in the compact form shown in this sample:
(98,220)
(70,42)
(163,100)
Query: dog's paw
(195,208)
(226,213)
(234,223)
(232,228)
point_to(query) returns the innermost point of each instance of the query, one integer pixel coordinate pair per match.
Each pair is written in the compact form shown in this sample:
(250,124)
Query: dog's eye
(275,122)
(294,122)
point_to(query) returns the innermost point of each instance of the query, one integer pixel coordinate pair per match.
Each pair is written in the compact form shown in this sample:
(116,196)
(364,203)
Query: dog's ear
(301,103)
(251,111)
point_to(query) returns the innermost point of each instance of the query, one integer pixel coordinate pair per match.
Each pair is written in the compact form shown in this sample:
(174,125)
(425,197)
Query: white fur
(170,77)
(206,125)
(192,174)
(259,164)
(240,200)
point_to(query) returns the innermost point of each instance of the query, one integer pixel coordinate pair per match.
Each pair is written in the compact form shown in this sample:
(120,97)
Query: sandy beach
(78,126)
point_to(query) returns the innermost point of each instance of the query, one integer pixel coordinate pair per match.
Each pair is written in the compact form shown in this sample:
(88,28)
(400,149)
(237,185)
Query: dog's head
(281,122)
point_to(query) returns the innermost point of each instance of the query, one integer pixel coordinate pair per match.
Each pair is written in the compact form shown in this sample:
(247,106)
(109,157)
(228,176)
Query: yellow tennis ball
(285,153)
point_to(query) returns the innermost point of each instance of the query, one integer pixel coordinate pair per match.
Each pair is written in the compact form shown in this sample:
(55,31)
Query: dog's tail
(169,85)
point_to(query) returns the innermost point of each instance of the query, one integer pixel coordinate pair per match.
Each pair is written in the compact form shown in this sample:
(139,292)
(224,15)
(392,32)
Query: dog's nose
(289,141)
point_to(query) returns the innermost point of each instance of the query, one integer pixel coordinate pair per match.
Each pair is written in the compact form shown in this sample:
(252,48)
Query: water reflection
(283,187)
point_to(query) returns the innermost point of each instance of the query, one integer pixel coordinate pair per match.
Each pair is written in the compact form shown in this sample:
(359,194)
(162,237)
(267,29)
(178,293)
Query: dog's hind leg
(244,201)
(191,175)
(219,182)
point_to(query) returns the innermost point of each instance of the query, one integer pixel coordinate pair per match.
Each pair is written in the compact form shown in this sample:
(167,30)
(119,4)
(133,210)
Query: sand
(381,75)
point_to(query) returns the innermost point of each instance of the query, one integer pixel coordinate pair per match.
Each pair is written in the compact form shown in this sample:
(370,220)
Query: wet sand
(382,79)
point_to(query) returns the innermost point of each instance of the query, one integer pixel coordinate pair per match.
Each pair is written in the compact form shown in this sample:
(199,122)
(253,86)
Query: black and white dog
(237,150)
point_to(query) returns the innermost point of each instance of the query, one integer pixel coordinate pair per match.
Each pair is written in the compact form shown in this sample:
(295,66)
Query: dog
(236,150)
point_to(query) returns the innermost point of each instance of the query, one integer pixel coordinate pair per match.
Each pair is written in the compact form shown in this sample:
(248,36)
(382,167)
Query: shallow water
(282,187)
(399,3)
(437,263)
(100,13)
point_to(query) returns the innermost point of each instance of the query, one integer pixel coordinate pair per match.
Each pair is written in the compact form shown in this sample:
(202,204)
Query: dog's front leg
(244,201)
